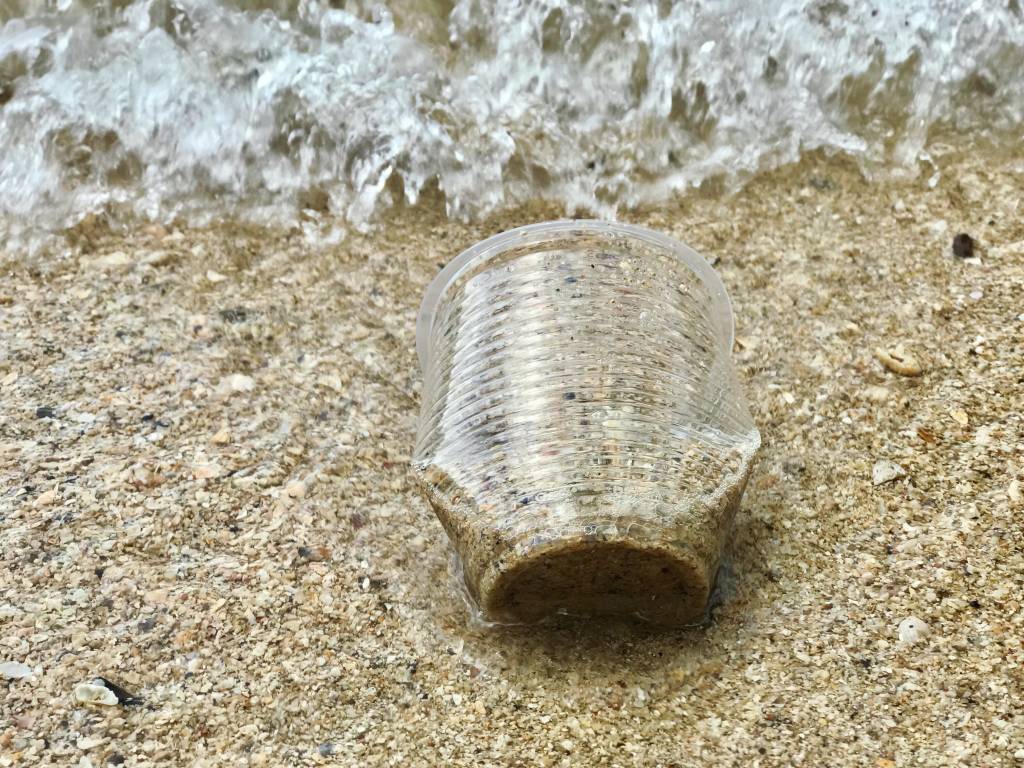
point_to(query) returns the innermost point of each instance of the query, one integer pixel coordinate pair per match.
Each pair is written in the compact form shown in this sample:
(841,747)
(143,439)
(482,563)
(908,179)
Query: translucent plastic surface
(583,437)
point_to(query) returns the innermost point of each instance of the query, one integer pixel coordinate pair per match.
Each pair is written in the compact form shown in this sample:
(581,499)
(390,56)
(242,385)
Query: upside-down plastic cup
(583,437)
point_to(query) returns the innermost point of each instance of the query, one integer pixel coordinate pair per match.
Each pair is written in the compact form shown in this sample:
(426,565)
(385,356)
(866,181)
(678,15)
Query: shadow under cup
(583,437)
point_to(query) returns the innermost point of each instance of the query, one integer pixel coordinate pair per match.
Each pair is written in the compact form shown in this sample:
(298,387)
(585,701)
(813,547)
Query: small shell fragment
(1014,492)
(90,693)
(15,670)
(114,260)
(236,383)
(876,394)
(159,258)
(206,471)
(46,498)
(898,360)
(296,489)
(143,477)
(911,630)
(885,471)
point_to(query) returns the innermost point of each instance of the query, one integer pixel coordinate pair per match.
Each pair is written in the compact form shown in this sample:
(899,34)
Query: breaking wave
(273,111)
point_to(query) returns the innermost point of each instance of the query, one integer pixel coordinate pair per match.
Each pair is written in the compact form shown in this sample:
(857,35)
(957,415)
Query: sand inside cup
(663,575)
(583,440)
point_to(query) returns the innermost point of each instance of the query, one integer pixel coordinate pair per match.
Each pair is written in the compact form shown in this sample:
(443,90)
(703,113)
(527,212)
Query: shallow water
(260,110)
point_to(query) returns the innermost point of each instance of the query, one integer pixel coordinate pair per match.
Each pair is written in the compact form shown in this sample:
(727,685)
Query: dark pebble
(569,395)
(794,466)
(123,697)
(44,412)
(116,759)
(314,554)
(374,584)
(233,315)
(325,749)
(963,246)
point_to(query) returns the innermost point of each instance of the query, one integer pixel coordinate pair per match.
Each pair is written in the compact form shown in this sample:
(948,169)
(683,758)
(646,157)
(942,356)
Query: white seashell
(15,670)
(886,471)
(236,383)
(911,630)
(90,693)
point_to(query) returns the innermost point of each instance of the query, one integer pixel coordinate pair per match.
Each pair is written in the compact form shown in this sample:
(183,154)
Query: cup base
(663,574)
(663,585)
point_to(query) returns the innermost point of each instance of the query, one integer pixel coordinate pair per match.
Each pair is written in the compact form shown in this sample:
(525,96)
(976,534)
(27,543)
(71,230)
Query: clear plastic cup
(583,437)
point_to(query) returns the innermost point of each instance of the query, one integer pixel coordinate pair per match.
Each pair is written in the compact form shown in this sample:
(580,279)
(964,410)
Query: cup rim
(538,233)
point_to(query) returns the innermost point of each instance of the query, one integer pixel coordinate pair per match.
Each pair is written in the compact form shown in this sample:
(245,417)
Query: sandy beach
(205,498)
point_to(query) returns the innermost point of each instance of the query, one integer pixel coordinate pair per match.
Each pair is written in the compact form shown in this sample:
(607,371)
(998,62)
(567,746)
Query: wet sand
(205,498)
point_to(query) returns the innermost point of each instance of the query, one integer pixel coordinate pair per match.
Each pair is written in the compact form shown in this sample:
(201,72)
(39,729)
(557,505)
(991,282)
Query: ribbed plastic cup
(583,437)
